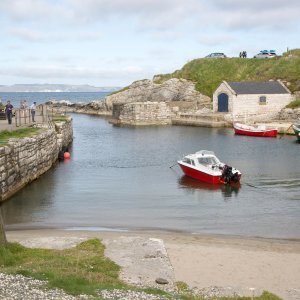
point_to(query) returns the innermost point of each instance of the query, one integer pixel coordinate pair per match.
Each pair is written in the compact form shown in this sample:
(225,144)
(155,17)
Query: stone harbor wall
(142,113)
(24,160)
(64,133)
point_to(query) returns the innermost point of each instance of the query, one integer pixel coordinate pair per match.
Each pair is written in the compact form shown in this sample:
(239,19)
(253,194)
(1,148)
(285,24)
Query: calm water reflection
(121,178)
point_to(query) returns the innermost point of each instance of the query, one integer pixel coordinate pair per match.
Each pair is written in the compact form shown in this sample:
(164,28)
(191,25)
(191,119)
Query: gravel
(16,287)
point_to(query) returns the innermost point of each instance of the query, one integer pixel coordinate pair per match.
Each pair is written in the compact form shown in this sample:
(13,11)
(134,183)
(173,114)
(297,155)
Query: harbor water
(120,178)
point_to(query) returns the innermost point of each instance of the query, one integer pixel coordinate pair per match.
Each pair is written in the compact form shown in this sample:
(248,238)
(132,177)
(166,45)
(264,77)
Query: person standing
(32,109)
(8,111)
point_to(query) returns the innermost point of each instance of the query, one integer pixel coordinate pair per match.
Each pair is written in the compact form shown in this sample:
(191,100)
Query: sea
(42,97)
(127,178)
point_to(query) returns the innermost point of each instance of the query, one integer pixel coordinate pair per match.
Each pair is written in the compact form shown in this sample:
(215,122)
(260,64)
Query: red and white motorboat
(206,167)
(260,130)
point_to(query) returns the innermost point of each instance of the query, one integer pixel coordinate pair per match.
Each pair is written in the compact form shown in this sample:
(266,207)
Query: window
(262,100)
(187,160)
(207,161)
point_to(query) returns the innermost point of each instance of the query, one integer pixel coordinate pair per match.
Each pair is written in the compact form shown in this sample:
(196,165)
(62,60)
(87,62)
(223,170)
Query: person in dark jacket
(8,111)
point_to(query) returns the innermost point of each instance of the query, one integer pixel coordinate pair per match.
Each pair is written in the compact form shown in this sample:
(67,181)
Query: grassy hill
(209,73)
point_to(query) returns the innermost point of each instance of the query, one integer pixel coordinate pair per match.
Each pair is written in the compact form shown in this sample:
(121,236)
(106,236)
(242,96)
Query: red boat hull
(266,133)
(200,175)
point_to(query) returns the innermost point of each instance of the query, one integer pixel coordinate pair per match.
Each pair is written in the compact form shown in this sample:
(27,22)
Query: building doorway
(223,103)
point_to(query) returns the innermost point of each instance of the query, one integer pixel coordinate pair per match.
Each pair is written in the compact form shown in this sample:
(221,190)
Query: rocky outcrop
(93,108)
(25,159)
(179,94)
(175,92)
(289,114)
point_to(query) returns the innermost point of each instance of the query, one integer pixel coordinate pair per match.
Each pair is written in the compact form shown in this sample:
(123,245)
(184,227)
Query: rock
(161,281)
(179,93)
(172,90)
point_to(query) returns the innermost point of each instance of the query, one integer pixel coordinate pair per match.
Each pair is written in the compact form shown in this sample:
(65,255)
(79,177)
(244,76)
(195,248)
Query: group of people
(243,54)
(8,109)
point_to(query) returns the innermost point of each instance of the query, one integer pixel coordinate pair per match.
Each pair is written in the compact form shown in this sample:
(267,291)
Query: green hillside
(209,73)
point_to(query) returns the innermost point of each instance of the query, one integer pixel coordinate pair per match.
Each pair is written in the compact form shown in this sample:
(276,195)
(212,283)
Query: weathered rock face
(174,90)
(178,93)
(92,108)
(24,160)
(289,114)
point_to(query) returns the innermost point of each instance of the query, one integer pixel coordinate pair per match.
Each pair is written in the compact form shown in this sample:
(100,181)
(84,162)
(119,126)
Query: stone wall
(142,113)
(24,160)
(64,133)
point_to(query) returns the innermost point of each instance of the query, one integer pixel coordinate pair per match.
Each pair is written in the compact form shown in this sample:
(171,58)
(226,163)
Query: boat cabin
(205,158)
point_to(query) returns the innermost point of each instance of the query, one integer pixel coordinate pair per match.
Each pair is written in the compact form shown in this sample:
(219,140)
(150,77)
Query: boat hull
(259,133)
(202,176)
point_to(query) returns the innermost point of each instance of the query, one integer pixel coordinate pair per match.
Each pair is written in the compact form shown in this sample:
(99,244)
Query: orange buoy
(67,155)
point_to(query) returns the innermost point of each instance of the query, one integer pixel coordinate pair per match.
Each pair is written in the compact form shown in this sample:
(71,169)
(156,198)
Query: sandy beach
(246,266)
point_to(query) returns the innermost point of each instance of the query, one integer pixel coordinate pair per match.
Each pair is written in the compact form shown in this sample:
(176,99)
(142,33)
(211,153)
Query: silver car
(265,54)
(216,55)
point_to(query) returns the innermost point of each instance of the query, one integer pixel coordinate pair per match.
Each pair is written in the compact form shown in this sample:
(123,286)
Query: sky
(115,42)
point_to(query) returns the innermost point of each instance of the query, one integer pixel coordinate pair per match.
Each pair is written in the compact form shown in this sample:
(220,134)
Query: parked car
(266,54)
(216,55)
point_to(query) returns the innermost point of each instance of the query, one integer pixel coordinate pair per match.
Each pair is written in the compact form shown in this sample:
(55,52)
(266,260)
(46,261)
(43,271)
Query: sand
(246,266)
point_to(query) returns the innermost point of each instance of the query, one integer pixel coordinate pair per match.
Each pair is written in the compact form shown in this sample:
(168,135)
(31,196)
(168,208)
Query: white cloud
(31,35)
(216,40)
(32,9)
(71,72)
(156,14)
(28,34)
(254,14)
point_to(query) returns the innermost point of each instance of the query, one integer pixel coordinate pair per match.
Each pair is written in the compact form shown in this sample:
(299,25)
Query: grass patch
(294,104)
(60,119)
(19,133)
(209,73)
(83,270)
(264,296)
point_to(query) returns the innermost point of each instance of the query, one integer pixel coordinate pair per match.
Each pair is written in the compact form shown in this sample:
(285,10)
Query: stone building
(250,98)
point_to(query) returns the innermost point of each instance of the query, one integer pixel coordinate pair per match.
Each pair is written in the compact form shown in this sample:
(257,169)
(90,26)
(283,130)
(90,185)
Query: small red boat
(206,167)
(260,130)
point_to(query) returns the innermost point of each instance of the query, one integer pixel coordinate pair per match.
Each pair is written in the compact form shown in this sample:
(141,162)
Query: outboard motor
(227,174)
(235,177)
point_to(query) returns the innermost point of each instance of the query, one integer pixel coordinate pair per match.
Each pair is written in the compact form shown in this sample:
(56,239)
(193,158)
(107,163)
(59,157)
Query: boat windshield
(207,161)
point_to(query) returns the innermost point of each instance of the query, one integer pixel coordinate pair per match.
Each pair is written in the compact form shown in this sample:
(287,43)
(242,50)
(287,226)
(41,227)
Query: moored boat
(261,130)
(296,128)
(205,166)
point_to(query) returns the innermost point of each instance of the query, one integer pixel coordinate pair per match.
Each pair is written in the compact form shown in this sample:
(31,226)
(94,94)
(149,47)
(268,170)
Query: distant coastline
(54,88)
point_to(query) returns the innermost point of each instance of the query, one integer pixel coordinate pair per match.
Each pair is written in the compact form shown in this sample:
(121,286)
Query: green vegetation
(181,286)
(209,73)
(294,104)
(83,270)
(61,118)
(19,133)
(264,296)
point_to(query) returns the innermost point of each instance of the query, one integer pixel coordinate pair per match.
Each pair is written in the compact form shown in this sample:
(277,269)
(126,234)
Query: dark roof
(262,87)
